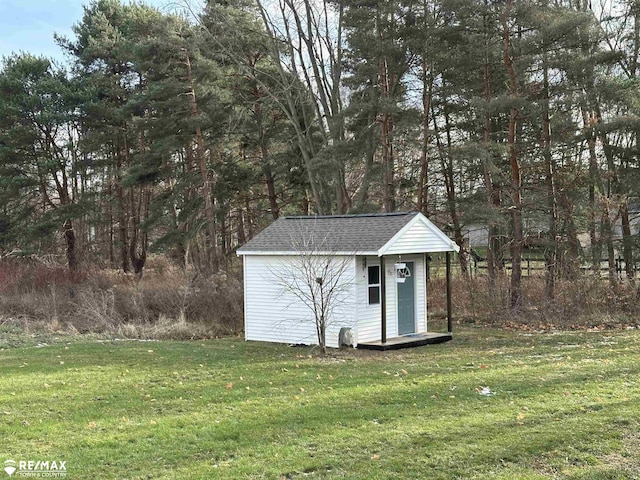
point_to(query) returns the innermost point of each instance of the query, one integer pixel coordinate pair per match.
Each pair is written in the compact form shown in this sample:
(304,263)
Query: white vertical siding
(418,238)
(369,316)
(421,305)
(392,296)
(274,314)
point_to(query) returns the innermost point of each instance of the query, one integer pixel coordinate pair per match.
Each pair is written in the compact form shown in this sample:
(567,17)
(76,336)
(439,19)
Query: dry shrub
(27,276)
(214,300)
(585,302)
(41,293)
(110,301)
(95,311)
(218,298)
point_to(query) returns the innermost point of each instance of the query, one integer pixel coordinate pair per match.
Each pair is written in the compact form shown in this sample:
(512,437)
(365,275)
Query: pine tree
(37,151)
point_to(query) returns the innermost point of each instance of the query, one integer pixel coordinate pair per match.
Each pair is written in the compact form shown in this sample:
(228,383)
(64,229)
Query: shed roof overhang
(295,253)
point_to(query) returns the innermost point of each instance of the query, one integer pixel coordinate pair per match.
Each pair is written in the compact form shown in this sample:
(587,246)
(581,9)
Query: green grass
(566,406)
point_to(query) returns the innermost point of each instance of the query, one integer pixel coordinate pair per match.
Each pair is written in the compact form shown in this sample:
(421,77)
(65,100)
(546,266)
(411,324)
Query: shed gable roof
(420,235)
(340,234)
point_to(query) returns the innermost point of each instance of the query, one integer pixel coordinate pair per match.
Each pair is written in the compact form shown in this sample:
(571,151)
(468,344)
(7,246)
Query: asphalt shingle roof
(331,233)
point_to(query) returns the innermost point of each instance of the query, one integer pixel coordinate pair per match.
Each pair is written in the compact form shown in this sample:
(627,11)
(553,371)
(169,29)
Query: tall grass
(36,295)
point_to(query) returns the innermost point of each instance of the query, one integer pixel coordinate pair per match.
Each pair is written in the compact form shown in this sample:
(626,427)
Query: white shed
(381,293)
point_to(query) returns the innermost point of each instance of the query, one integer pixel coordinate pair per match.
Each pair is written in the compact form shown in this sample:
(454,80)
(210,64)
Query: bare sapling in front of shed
(314,277)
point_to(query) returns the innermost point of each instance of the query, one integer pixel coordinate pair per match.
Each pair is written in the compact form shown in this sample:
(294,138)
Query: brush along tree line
(186,134)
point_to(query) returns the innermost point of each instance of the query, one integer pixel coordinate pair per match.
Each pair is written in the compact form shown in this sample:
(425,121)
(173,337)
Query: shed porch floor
(407,341)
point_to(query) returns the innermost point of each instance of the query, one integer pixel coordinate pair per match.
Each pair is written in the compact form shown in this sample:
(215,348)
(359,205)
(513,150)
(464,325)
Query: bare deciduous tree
(318,278)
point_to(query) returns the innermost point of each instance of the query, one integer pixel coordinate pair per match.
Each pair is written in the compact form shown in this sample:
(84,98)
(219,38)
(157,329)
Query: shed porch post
(383,300)
(426,291)
(449,322)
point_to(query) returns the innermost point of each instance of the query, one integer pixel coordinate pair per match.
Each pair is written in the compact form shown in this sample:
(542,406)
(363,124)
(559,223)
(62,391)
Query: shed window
(374,285)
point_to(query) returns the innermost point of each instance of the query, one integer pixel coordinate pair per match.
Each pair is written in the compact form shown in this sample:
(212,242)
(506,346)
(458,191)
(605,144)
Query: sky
(29,25)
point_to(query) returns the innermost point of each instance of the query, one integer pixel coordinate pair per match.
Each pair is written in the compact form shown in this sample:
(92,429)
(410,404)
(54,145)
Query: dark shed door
(406,303)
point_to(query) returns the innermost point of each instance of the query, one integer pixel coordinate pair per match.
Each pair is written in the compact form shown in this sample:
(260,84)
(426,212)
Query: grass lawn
(563,406)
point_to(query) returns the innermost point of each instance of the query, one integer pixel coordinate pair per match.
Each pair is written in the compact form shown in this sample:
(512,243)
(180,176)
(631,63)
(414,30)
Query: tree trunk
(209,211)
(361,195)
(342,196)
(596,248)
(138,240)
(627,240)
(271,191)
(516,210)
(122,214)
(386,132)
(109,181)
(264,152)
(572,258)
(446,159)
(250,221)
(180,251)
(423,180)
(224,244)
(70,240)
(608,238)
(612,193)
(494,264)
(551,250)
(596,185)
(242,239)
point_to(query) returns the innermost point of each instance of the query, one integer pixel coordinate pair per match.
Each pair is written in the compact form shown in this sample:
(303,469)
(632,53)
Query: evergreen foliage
(187,135)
